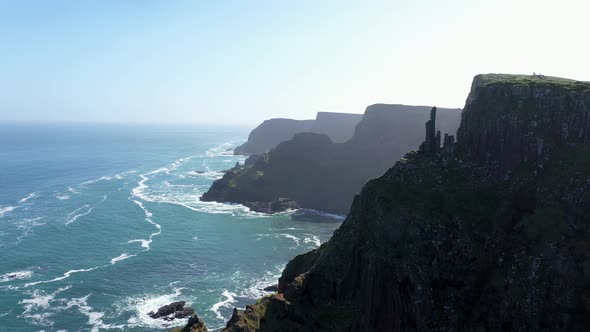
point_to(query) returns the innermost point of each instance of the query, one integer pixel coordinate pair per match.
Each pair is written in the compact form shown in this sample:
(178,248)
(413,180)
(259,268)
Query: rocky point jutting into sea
(488,233)
(310,171)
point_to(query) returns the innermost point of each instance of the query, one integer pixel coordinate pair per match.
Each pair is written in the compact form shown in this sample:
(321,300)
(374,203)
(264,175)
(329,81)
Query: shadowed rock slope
(313,172)
(488,234)
(270,133)
(338,126)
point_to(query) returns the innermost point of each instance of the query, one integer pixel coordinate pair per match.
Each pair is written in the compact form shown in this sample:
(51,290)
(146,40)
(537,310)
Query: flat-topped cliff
(314,172)
(460,238)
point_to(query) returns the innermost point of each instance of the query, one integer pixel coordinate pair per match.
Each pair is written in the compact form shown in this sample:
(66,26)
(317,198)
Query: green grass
(565,83)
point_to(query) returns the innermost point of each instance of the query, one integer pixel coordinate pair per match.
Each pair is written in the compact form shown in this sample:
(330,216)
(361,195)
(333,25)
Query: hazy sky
(245,61)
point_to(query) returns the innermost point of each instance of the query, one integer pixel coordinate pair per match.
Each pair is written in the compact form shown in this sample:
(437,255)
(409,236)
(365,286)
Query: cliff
(270,133)
(486,234)
(338,126)
(312,172)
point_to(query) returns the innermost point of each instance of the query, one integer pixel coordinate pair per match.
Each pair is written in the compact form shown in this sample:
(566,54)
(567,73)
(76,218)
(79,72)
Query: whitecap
(94,317)
(314,239)
(148,217)
(62,197)
(257,285)
(30,196)
(26,226)
(119,176)
(64,276)
(72,190)
(142,306)
(40,301)
(6,209)
(229,299)
(222,150)
(17,275)
(73,216)
(121,257)
(144,243)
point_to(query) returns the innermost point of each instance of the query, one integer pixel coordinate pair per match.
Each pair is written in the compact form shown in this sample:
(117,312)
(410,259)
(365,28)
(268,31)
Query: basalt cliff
(311,171)
(488,233)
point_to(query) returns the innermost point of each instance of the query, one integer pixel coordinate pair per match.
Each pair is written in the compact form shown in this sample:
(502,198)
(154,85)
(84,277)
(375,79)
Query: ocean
(101,224)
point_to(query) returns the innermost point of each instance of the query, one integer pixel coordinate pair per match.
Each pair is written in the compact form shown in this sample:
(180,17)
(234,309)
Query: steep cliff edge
(270,133)
(488,234)
(338,126)
(313,172)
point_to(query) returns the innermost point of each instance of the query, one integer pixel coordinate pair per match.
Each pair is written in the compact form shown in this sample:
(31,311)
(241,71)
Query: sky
(240,62)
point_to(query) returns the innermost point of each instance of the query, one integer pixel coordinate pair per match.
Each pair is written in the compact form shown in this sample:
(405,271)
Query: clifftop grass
(534,80)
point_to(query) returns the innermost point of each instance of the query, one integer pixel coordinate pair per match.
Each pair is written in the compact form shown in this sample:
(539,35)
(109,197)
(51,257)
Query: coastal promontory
(488,233)
(311,171)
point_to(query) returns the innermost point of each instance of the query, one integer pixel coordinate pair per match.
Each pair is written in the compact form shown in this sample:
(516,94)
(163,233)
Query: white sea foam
(62,197)
(291,237)
(314,239)
(226,302)
(73,190)
(26,226)
(6,209)
(142,306)
(211,175)
(64,276)
(327,215)
(222,150)
(40,301)
(73,216)
(119,176)
(30,196)
(94,317)
(17,275)
(257,286)
(148,217)
(144,243)
(121,257)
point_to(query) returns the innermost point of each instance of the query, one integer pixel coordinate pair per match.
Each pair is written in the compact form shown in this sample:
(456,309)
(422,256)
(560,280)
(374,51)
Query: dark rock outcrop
(194,324)
(281,204)
(272,288)
(172,311)
(466,239)
(318,174)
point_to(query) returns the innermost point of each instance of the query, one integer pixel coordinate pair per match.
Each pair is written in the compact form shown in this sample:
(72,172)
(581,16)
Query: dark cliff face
(460,241)
(317,174)
(338,126)
(270,133)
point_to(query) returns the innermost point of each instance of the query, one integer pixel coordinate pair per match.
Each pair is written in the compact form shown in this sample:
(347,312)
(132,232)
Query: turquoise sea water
(101,224)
